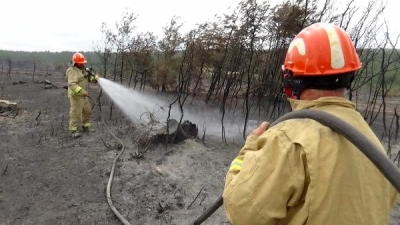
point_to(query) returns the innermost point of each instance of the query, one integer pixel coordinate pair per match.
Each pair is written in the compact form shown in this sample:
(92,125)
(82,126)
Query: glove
(94,78)
(91,76)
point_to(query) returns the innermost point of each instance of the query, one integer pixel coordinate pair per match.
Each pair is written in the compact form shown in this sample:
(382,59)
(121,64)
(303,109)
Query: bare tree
(140,60)
(235,61)
(166,62)
(2,67)
(9,63)
(105,48)
(123,40)
(2,86)
(115,47)
(34,69)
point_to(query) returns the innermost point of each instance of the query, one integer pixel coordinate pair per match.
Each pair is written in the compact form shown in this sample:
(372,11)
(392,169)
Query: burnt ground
(47,178)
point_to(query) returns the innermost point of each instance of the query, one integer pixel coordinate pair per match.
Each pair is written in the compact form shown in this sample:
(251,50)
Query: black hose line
(110,179)
(370,150)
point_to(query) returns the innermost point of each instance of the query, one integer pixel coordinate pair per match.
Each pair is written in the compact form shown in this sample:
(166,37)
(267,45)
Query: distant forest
(51,61)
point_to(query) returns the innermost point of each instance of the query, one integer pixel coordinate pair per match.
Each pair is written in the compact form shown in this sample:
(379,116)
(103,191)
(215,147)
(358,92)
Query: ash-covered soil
(48,178)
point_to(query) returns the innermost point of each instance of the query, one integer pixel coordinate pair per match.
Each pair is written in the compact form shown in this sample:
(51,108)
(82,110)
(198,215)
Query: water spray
(134,103)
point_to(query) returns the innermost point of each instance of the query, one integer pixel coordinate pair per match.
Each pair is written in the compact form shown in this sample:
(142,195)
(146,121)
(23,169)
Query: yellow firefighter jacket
(301,172)
(77,83)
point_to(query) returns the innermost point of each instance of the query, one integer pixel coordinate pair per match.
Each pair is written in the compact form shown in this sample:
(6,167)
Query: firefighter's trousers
(80,111)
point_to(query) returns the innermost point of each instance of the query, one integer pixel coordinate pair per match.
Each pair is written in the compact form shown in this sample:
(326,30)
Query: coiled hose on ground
(373,153)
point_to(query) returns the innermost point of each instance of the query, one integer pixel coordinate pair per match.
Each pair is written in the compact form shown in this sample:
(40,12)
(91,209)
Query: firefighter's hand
(85,93)
(94,78)
(261,129)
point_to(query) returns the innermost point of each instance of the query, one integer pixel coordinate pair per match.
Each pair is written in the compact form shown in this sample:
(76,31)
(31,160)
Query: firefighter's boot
(75,135)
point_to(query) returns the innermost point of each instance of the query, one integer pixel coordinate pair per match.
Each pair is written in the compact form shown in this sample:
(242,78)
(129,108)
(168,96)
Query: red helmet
(78,58)
(320,50)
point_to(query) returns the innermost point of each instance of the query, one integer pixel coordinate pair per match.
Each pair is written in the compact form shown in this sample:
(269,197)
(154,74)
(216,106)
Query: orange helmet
(78,58)
(320,50)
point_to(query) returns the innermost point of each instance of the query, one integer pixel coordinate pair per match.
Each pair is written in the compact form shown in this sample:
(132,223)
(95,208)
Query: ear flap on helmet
(294,85)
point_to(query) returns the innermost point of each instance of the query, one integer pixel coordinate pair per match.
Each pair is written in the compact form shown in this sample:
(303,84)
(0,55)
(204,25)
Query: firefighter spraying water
(79,78)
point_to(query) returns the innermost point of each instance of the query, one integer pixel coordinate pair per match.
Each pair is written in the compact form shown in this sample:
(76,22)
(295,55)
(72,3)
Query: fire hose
(121,146)
(370,150)
(110,180)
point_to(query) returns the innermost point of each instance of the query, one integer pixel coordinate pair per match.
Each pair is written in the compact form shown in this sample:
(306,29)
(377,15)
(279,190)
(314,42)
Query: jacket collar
(324,101)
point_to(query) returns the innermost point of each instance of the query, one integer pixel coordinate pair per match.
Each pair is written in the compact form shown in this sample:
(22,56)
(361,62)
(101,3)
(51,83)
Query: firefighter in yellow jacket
(78,83)
(299,171)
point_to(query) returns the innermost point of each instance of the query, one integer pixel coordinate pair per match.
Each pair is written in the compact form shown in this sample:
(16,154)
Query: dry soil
(47,178)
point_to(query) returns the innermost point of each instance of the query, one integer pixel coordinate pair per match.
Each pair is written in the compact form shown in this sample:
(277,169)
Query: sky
(74,25)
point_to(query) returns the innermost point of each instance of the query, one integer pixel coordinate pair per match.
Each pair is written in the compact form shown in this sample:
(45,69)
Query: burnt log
(50,86)
(47,82)
(19,82)
(7,106)
(174,132)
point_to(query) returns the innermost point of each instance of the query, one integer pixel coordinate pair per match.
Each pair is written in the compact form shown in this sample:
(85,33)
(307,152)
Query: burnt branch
(198,194)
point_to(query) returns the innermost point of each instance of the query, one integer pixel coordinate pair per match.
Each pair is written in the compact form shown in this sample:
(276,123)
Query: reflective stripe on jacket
(301,172)
(77,83)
